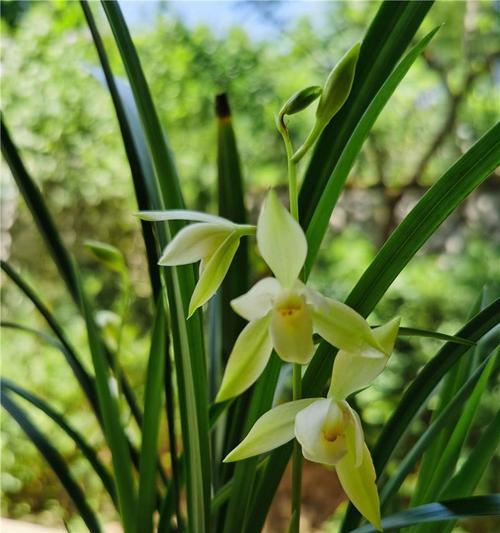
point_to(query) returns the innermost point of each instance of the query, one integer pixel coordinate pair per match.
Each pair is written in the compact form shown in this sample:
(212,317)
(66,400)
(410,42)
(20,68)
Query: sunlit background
(259,53)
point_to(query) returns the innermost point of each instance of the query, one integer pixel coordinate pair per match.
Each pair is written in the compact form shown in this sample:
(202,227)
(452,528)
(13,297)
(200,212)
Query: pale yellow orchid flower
(328,429)
(212,240)
(283,313)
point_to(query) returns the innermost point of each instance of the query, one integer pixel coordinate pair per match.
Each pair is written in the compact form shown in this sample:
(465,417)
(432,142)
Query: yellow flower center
(334,425)
(288,304)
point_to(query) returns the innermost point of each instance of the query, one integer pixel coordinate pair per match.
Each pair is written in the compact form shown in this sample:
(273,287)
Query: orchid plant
(332,349)
(283,313)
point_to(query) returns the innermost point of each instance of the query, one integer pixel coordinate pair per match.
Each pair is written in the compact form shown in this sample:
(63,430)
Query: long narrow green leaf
(450,453)
(389,34)
(187,336)
(34,199)
(86,449)
(451,383)
(420,390)
(464,482)
(440,511)
(476,383)
(231,206)
(418,332)
(239,514)
(50,234)
(55,460)
(318,223)
(86,382)
(114,432)
(136,154)
(150,427)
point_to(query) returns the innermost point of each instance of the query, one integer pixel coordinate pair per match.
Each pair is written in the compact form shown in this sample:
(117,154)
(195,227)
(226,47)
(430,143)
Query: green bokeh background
(63,122)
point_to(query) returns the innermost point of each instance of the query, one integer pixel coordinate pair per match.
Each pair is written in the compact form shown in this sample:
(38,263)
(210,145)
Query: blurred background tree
(63,121)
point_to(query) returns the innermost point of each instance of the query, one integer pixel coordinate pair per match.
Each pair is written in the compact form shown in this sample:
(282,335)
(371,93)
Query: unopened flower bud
(334,95)
(338,86)
(300,100)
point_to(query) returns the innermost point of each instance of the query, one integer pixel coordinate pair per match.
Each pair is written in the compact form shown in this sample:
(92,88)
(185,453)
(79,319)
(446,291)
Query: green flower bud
(300,100)
(338,86)
(334,95)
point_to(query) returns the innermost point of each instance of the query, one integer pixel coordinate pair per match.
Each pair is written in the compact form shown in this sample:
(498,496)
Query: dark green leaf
(474,386)
(55,460)
(77,438)
(440,511)
(150,426)
(114,432)
(36,204)
(133,141)
(188,339)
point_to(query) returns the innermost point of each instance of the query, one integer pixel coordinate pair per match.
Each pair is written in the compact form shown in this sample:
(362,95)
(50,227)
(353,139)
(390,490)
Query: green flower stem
(297,458)
(294,526)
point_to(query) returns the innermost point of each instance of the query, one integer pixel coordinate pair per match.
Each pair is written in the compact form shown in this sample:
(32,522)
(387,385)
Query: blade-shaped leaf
(150,426)
(114,432)
(55,460)
(179,281)
(474,386)
(86,382)
(36,204)
(440,511)
(78,439)
(140,167)
(464,482)
(450,385)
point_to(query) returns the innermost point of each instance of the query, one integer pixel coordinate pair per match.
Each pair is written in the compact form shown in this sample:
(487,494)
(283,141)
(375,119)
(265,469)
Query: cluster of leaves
(186,338)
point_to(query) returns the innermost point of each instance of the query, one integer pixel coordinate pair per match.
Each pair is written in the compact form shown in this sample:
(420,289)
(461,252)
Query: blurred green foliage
(62,120)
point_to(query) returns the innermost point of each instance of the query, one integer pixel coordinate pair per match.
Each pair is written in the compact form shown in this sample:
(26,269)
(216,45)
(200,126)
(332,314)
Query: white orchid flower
(283,313)
(212,240)
(328,429)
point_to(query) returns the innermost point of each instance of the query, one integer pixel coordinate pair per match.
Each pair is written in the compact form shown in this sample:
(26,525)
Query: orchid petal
(359,483)
(353,372)
(248,359)
(273,429)
(341,326)
(214,272)
(354,433)
(280,240)
(292,329)
(194,242)
(183,214)
(386,335)
(258,300)
(319,429)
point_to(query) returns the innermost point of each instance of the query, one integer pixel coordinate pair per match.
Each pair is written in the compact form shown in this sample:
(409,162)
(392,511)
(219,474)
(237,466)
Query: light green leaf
(273,429)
